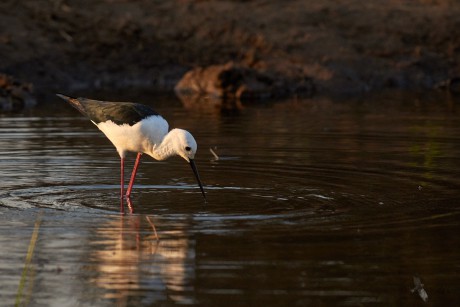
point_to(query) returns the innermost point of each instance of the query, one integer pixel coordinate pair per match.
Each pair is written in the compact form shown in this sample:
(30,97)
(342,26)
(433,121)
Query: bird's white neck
(163,150)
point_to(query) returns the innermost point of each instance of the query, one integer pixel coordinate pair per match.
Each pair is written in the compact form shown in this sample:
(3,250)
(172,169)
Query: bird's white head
(183,143)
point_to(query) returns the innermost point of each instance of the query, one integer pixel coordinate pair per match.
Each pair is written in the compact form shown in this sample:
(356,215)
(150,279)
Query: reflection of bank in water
(132,265)
(206,102)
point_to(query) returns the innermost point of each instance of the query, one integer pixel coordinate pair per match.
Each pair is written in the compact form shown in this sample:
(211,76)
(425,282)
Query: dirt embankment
(339,47)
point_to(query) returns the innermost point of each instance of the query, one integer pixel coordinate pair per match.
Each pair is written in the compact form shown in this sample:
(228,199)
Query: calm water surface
(312,202)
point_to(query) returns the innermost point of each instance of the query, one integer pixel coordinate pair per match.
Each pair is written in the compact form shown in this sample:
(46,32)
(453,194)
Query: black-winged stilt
(136,127)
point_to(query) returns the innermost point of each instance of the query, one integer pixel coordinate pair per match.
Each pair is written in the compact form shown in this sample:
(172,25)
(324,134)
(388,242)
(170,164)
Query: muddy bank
(343,47)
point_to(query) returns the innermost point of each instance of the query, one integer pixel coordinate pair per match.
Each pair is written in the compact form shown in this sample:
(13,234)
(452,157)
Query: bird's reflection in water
(133,266)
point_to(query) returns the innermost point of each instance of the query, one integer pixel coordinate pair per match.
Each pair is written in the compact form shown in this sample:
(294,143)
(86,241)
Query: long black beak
(195,171)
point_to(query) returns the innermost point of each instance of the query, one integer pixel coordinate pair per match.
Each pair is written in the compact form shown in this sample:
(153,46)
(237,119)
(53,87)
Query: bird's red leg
(122,183)
(133,175)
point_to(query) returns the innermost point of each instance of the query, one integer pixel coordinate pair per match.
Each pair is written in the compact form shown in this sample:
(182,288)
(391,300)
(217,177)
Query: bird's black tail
(74,102)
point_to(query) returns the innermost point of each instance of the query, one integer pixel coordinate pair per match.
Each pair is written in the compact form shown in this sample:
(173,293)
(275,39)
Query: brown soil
(344,46)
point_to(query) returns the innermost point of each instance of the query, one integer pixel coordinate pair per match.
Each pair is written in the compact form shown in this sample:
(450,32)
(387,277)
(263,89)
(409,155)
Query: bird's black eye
(188,148)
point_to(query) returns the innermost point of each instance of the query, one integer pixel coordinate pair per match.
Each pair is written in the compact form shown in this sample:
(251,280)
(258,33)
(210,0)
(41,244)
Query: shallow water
(311,202)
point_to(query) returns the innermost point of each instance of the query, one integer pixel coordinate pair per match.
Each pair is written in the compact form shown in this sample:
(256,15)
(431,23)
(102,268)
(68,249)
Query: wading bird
(136,127)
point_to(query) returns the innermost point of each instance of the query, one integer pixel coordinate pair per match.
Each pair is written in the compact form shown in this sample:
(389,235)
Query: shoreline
(343,48)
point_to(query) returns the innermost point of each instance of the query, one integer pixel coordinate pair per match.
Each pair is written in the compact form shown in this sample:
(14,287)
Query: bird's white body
(143,136)
(150,136)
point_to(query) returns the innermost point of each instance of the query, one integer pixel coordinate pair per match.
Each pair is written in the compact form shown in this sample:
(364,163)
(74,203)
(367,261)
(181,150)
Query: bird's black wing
(118,112)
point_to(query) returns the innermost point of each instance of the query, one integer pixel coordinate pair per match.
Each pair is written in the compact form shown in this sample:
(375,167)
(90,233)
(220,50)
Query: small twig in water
(66,36)
(216,157)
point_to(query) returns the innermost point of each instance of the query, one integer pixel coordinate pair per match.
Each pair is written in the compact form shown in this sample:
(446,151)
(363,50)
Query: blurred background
(269,48)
